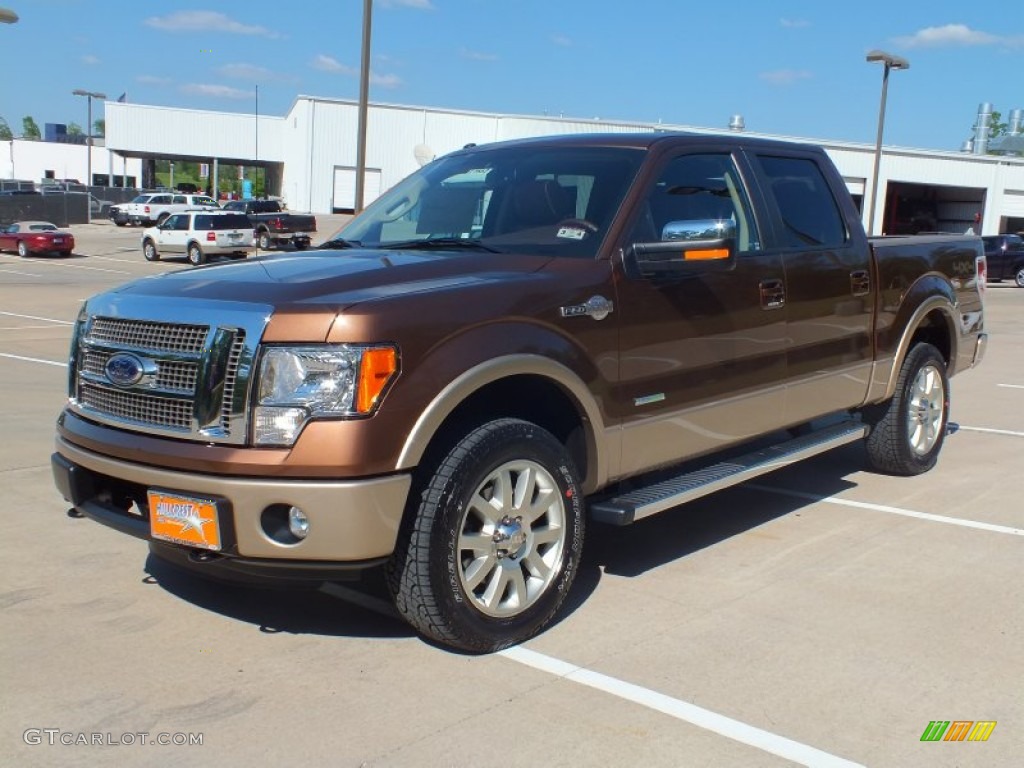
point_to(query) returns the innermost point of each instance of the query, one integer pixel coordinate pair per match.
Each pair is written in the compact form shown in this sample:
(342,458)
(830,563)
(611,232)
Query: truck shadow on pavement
(362,608)
(308,611)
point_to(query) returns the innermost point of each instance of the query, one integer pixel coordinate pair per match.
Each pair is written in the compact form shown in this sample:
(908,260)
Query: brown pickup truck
(516,339)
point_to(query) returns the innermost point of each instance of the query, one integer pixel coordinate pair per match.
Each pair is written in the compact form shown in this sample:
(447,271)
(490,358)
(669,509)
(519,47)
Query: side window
(179,223)
(808,211)
(180,200)
(698,187)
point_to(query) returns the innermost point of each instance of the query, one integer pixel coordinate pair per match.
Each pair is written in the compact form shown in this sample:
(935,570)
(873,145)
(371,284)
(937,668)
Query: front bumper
(352,523)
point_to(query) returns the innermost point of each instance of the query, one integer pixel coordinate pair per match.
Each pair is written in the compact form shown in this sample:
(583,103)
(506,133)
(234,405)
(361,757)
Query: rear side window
(808,211)
(225,221)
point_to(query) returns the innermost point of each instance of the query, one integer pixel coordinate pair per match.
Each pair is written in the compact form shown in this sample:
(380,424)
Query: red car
(27,237)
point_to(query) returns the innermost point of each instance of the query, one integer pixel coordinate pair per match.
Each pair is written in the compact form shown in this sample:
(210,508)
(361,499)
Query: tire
(65,254)
(264,241)
(195,254)
(467,572)
(301,245)
(22,249)
(1018,276)
(907,431)
(121,223)
(149,250)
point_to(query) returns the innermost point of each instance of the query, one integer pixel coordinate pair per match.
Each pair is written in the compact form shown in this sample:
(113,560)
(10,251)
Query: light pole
(364,91)
(90,95)
(890,62)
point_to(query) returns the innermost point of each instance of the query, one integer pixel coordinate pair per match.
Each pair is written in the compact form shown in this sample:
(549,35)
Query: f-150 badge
(597,307)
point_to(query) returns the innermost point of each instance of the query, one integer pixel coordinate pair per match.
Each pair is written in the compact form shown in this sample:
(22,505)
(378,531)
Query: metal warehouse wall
(30,160)
(166,132)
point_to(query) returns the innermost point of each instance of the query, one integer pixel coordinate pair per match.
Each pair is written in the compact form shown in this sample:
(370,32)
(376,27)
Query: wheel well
(528,397)
(934,330)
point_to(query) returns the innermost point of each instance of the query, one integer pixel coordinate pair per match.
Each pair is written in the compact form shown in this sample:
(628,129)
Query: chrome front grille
(146,335)
(195,384)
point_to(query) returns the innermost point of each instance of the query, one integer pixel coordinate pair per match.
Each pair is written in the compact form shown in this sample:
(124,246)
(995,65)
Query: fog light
(298,523)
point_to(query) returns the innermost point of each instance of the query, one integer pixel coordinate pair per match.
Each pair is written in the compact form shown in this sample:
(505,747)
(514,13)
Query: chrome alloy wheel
(512,538)
(926,409)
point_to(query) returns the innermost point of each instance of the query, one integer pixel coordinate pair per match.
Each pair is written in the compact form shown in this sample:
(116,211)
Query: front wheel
(908,430)
(195,255)
(149,251)
(1018,276)
(22,249)
(492,543)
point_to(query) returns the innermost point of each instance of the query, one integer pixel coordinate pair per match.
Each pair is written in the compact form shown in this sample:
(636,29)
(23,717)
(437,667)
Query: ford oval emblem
(124,369)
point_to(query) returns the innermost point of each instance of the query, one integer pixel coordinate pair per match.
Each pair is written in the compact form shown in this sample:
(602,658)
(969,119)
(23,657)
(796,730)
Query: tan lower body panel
(348,520)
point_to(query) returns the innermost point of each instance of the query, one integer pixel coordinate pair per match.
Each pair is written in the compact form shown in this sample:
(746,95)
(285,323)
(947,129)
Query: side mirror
(689,246)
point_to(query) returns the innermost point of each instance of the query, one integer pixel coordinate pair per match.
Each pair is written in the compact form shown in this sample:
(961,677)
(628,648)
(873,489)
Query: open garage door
(914,208)
(344,198)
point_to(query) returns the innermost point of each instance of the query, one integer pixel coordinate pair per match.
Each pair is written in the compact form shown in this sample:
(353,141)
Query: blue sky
(792,68)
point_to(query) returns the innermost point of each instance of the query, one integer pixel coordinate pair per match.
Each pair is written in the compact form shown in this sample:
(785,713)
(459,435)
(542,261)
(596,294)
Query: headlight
(297,384)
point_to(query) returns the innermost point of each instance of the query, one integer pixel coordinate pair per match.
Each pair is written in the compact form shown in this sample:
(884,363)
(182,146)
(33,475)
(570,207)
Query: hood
(336,278)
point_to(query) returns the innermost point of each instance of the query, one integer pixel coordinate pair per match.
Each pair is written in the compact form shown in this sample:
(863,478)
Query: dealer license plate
(184,520)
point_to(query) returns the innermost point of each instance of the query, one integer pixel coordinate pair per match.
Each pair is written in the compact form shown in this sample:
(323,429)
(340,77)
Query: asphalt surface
(822,615)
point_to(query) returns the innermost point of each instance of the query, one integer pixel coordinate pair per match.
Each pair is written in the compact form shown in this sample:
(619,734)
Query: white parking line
(36,317)
(890,510)
(33,360)
(990,431)
(681,710)
(16,272)
(61,264)
(1011,386)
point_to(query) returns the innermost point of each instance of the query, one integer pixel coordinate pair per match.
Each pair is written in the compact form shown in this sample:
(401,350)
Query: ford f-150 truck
(517,339)
(275,226)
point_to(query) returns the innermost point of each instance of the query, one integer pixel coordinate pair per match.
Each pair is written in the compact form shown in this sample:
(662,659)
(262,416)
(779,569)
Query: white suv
(199,234)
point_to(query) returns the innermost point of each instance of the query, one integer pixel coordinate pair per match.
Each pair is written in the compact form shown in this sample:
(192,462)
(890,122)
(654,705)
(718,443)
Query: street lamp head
(891,61)
(7,16)
(93,94)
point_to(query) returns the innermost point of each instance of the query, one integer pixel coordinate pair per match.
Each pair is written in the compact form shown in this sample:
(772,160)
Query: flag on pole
(123,97)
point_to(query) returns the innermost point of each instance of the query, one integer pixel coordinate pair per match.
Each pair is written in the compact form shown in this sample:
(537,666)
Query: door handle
(773,294)
(860,282)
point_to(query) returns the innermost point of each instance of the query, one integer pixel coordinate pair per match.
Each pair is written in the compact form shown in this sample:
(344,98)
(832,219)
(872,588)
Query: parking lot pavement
(822,615)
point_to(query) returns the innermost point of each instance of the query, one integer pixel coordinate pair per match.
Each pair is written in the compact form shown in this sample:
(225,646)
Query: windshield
(556,201)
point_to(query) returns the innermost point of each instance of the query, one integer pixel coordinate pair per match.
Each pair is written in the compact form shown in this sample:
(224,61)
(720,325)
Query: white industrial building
(309,157)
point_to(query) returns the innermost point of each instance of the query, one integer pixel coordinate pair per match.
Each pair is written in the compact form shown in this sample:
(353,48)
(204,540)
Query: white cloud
(327,63)
(90,59)
(477,55)
(561,40)
(422,5)
(217,91)
(152,80)
(794,23)
(385,81)
(250,72)
(206,21)
(785,76)
(956,35)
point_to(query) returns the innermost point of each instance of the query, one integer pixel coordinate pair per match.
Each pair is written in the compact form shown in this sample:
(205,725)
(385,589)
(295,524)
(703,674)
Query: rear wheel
(492,541)
(264,241)
(121,223)
(149,251)
(22,249)
(195,255)
(907,432)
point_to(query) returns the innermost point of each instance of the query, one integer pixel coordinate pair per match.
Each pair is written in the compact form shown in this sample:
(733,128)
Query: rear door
(702,355)
(829,292)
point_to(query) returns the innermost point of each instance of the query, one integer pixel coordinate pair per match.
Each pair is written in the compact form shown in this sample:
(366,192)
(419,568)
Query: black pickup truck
(275,226)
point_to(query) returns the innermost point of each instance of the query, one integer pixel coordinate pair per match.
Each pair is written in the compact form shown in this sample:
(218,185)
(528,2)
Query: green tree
(99,127)
(74,129)
(29,129)
(5,131)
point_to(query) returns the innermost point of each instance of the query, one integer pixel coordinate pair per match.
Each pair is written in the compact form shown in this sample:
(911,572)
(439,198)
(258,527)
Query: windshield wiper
(442,243)
(340,244)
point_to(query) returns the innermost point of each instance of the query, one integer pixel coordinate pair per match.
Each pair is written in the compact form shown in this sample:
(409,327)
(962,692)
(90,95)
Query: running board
(665,494)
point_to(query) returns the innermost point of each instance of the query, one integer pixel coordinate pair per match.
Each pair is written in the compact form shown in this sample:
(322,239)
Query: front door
(702,355)
(174,234)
